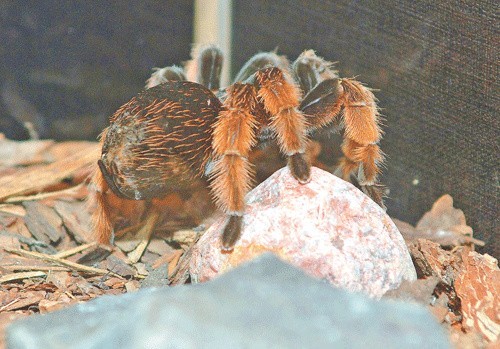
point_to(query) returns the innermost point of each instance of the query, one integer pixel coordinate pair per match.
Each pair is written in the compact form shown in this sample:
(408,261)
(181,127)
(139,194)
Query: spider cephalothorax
(178,129)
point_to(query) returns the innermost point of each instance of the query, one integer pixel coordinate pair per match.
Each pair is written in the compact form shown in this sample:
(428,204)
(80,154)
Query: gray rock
(263,304)
(327,227)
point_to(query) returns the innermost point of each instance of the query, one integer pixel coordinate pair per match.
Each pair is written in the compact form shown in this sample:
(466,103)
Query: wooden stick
(75,250)
(34,268)
(172,264)
(63,262)
(58,193)
(144,235)
(20,276)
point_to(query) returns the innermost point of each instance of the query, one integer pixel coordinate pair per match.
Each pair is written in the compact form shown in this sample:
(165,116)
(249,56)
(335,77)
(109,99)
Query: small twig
(9,304)
(172,264)
(19,276)
(72,265)
(34,268)
(75,250)
(144,235)
(127,230)
(69,191)
(166,258)
(182,263)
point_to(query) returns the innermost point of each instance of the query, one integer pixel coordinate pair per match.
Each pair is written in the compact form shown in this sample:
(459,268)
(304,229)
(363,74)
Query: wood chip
(60,279)
(72,192)
(9,241)
(184,237)
(75,250)
(46,306)
(132,286)
(144,234)
(33,268)
(172,265)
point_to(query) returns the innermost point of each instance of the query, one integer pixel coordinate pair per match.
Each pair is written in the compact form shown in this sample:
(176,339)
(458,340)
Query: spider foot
(231,233)
(376,193)
(299,168)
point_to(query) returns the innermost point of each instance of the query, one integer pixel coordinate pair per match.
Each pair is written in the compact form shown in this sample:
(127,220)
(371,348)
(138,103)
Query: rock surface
(326,227)
(265,303)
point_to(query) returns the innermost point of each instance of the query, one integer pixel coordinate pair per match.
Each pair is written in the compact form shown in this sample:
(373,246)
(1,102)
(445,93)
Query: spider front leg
(362,134)
(280,97)
(326,98)
(233,138)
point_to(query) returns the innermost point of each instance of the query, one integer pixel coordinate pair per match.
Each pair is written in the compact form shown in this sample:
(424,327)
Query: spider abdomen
(159,140)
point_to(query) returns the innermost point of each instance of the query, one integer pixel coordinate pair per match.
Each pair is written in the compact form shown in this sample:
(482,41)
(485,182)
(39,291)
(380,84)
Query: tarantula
(184,125)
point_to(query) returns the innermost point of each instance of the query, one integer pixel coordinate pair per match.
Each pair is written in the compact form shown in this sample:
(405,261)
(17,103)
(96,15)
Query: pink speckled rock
(326,227)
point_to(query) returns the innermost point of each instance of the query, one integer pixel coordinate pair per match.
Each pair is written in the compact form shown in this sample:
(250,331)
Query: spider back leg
(161,75)
(101,221)
(205,66)
(233,138)
(260,61)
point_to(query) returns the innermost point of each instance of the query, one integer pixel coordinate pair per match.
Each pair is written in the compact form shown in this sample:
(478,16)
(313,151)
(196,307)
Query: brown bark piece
(47,306)
(17,226)
(431,260)
(13,210)
(60,279)
(76,219)
(160,247)
(43,223)
(35,179)
(24,300)
(15,153)
(443,224)
(9,241)
(478,286)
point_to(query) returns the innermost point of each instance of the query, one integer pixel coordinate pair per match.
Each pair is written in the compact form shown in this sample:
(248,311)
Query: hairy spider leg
(327,98)
(361,136)
(233,137)
(101,221)
(310,70)
(280,97)
(162,75)
(258,62)
(320,86)
(205,66)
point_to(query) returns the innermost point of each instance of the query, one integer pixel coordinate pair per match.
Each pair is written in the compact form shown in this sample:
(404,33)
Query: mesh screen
(436,65)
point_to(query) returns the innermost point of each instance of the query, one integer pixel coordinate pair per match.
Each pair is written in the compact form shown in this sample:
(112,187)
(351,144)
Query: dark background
(435,64)
(69,64)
